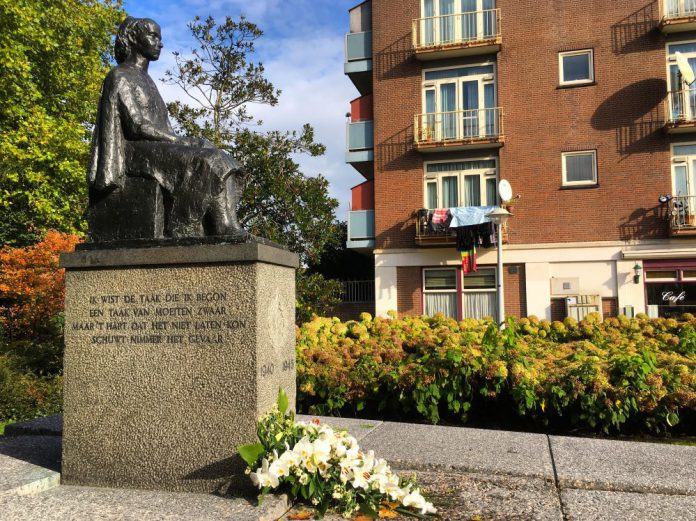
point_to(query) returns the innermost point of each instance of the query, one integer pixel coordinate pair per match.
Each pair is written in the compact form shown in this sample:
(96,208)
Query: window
(459,103)
(440,292)
(477,296)
(461,183)
(576,67)
(580,168)
(682,99)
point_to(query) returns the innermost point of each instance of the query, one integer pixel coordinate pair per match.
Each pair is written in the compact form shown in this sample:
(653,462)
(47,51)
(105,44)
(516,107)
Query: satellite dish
(505,190)
(687,73)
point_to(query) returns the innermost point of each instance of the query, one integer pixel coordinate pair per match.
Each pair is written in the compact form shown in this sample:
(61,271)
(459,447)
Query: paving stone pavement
(470,475)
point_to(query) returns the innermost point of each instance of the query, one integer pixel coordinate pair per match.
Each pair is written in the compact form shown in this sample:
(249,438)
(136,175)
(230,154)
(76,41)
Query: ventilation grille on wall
(579,306)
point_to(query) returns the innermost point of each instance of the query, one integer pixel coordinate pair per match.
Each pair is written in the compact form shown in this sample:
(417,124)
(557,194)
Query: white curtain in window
(479,305)
(689,6)
(580,167)
(472,190)
(446,22)
(448,105)
(449,192)
(469,20)
(428,27)
(441,303)
(470,104)
(490,20)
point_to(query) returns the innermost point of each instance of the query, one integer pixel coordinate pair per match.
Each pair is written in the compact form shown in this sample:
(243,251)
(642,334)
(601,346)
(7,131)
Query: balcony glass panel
(360,135)
(359,46)
(361,225)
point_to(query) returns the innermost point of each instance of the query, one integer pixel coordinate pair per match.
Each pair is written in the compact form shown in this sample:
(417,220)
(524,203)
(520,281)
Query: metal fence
(677,8)
(354,291)
(683,214)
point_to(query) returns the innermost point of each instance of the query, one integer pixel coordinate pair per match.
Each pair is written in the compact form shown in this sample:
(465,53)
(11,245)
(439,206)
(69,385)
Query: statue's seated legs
(135,211)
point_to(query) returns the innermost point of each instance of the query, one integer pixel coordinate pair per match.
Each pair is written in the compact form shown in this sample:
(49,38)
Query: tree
(54,57)
(278,201)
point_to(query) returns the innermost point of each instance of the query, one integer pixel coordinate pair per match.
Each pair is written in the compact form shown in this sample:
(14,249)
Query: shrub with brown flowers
(610,375)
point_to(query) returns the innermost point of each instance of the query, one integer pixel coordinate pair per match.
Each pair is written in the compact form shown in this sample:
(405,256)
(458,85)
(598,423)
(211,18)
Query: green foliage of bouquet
(326,468)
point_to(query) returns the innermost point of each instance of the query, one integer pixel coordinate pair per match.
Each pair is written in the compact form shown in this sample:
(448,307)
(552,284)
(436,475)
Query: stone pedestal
(171,355)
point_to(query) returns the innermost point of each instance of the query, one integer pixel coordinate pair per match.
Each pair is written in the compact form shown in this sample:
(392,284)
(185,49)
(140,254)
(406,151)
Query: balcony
(455,35)
(677,16)
(358,65)
(680,107)
(426,236)
(459,130)
(361,230)
(682,218)
(360,147)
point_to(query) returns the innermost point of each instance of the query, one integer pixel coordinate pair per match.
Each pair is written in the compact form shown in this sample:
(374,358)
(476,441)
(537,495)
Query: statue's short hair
(126,37)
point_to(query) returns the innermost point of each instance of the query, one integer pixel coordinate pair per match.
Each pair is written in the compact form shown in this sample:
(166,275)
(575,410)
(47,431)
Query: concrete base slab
(599,505)
(465,497)
(471,450)
(624,466)
(92,504)
(28,464)
(357,428)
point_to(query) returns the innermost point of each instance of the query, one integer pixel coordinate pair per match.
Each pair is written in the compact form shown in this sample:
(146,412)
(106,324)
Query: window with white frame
(681,98)
(459,103)
(479,298)
(580,168)
(576,67)
(475,296)
(450,184)
(440,291)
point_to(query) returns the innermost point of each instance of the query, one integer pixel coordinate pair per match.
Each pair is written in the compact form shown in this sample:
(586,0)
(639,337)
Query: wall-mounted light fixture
(636,273)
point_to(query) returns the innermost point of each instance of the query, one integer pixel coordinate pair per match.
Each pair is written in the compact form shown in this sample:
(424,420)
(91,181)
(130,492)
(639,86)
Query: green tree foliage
(278,201)
(54,56)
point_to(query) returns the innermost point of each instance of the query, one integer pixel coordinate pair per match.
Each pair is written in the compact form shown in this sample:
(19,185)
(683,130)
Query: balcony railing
(677,15)
(361,225)
(678,8)
(681,109)
(360,136)
(453,30)
(426,236)
(683,215)
(359,46)
(463,127)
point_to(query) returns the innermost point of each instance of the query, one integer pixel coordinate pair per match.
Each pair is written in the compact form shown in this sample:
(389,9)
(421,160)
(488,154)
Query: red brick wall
(621,117)
(408,291)
(514,286)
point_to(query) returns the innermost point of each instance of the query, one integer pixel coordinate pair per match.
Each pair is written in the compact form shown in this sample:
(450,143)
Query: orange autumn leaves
(32,284)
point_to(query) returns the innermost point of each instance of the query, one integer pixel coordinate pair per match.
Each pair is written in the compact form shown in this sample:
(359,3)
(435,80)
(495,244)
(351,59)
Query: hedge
(614,375)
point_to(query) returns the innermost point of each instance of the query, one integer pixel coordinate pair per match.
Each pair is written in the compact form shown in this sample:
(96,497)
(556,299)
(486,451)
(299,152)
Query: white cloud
(309,71)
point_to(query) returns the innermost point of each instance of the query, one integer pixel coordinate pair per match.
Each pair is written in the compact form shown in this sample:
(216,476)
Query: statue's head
(141,35)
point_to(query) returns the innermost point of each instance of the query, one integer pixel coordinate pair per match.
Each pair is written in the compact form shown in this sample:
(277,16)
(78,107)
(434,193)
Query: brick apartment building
(578,104)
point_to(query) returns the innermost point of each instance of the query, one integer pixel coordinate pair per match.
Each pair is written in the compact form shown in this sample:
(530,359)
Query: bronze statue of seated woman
(146,182)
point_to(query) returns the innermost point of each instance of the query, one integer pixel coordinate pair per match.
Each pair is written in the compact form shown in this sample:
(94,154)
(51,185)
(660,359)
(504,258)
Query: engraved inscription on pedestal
(167,370)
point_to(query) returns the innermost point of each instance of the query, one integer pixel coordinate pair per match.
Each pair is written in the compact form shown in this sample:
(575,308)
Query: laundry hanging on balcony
(473,230)
(439,220)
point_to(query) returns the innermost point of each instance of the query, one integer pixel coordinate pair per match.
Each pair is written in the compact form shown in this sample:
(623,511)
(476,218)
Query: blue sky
(302,51)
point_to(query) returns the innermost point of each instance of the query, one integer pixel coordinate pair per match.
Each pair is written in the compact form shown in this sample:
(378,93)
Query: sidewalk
(470,474)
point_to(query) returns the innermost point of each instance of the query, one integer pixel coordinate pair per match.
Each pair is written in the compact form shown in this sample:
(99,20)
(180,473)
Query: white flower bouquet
(326,468)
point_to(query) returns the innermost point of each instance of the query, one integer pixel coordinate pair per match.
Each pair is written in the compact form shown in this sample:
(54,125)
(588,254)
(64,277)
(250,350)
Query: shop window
(670,293)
